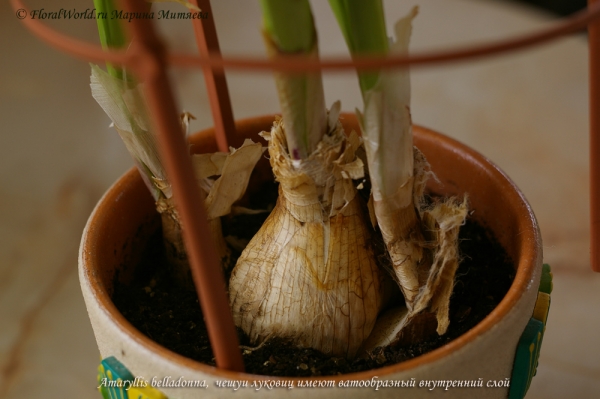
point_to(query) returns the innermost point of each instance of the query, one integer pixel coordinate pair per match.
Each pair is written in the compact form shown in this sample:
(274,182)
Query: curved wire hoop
(93,52)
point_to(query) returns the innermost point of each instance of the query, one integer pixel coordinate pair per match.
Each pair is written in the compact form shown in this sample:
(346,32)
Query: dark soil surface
(172,317)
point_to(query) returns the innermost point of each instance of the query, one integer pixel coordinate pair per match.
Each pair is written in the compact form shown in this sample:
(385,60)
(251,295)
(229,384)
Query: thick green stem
(290,25)
(111,33)
(289,30)
(363,26)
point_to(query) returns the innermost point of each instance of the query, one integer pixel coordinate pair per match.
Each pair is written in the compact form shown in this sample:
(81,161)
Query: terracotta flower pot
(116,229)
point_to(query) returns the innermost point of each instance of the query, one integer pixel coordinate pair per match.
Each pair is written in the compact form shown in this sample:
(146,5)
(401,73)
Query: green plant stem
(289,29)
(385,121)
(290,25)
(111,33)
(363,25)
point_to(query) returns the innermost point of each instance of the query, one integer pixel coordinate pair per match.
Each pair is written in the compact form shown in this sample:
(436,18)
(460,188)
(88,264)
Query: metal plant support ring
(213,59)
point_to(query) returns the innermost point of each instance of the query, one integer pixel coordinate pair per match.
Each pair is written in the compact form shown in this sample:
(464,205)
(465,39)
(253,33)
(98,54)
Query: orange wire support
(214,60)
(147,58)
(216,84)
(204,262)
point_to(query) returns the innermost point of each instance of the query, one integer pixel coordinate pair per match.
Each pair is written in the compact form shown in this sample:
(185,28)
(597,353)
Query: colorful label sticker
(528,349)
(115,381)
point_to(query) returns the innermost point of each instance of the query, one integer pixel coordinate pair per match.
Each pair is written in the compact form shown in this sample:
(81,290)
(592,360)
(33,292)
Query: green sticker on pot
(114,378)
(546,280)
(528,349)
(526,359)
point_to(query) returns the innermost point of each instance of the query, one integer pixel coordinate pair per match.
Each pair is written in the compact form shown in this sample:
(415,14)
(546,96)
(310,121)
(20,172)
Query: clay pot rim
(530,256)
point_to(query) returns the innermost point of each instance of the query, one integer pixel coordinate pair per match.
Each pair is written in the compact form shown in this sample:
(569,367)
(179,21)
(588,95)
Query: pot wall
(485,353)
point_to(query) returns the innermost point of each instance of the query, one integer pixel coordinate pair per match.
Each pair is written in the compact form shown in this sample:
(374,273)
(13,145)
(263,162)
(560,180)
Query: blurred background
(527,111)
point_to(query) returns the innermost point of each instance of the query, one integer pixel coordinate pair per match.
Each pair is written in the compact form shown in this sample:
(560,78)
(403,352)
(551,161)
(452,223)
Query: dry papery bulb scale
(311,274)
